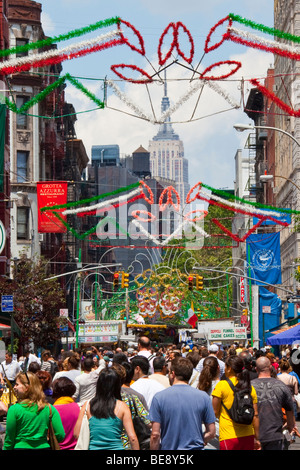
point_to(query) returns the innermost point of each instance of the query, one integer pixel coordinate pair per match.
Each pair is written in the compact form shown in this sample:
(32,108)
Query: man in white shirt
(160,371)
(144,349)
(9,369)
(142,384)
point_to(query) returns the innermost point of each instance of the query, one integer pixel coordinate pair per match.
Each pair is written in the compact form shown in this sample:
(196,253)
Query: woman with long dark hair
(232,435)
(210,374)
(209,377)
(107,415)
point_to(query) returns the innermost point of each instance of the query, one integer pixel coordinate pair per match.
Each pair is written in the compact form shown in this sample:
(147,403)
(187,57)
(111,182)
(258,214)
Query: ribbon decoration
(63,37)
(50,88)
(54,56)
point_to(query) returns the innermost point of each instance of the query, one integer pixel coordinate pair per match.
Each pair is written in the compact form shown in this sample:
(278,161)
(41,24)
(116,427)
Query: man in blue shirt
(179,412)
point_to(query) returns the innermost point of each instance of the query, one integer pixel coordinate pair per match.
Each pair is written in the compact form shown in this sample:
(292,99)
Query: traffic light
(245,312)
(199,282)
(191,282)
(125,280)
(116,281)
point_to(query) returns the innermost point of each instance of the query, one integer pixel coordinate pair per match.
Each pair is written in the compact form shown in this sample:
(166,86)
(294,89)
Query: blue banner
(263,256)
(270,306)
(286,218)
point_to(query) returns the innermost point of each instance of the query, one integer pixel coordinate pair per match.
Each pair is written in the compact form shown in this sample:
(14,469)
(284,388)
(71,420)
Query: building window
(21,42)
(22,166)
(22,223)
(21,118)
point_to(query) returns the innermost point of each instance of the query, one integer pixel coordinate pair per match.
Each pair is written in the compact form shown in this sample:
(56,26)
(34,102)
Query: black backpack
(242,410)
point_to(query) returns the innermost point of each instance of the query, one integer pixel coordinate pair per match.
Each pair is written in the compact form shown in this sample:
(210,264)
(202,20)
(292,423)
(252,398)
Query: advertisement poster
(51,193)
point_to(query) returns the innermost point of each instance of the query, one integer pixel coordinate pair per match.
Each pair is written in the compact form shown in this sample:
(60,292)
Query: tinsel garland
(108,208)
(175,43)
(137,215)
(265,29)
(137,34)
(115,68)
(127,101)
(229,196)
(150,197)
(236,206)
(99,205)
(169,190)
(193,89)
(218,64)
(63,37)
(285,107)
(49,89)
(92,199)
(251,40)
(56,56)
(208,48)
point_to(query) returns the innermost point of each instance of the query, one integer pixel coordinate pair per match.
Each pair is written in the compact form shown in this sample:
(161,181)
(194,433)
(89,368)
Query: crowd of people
(144,398)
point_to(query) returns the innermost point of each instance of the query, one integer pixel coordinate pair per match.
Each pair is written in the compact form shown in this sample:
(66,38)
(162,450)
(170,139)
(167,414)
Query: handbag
(297,398)
(53,442)
(83,440)
(142,431)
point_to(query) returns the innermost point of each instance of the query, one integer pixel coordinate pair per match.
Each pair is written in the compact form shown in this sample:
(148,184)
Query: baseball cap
(213,348)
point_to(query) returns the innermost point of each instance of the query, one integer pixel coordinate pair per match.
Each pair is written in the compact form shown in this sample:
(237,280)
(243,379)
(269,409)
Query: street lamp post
(266,178)
(249,127)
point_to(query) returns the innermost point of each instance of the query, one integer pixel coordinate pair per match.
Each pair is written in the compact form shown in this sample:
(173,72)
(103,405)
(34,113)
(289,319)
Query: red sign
(51,193)
(242,290)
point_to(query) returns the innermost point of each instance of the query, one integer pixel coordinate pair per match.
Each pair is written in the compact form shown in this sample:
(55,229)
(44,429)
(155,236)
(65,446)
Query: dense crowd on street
(177,397)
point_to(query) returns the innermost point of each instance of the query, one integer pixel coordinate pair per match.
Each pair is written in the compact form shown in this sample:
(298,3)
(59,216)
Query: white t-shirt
(71,374)
(148,388)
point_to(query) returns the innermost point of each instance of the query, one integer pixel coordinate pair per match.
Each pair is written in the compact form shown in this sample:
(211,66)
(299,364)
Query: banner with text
(51,193)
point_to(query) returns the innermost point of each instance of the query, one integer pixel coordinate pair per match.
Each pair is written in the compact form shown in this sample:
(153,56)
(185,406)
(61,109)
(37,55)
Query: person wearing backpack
(235,404)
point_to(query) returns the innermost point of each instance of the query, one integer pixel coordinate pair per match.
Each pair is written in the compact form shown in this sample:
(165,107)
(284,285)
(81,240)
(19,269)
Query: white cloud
(48,25)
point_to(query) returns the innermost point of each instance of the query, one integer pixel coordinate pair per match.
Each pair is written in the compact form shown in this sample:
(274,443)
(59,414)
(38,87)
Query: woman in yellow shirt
(234,436)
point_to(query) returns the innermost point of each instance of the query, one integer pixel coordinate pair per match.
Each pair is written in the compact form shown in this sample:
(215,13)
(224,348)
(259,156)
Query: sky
(210,141)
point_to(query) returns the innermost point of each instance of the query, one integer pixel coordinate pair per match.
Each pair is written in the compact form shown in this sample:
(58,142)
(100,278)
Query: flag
(191,317)
(263,255)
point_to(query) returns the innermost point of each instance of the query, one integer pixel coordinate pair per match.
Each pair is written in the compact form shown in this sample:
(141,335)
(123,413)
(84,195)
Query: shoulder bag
(83,441)
(53,442)
(142,430)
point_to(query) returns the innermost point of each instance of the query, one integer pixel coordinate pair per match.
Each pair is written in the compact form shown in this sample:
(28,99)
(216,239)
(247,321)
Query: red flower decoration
(115,68)
(140,50)
(218,64)
(169,191)
(225,36)
(175,43)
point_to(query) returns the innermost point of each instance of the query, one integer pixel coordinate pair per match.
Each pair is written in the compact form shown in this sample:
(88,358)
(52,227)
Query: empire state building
(167,154)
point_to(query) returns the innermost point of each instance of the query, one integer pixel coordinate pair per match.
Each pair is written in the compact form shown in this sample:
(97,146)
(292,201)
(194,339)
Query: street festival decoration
(170,301)
(213,73)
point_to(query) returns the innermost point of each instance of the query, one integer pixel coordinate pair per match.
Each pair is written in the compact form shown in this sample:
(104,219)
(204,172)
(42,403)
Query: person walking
(63,391)
(272,396)
(160,371)
(289,380)
(27,421)
(208,379)
(9,369)
(144,349)
(177,413)
(142,384)
(107,415)
(213,350)
(86,381)
(232,435)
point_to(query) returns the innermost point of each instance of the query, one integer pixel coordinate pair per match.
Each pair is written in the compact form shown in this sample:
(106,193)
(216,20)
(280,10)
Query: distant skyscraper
(167,154)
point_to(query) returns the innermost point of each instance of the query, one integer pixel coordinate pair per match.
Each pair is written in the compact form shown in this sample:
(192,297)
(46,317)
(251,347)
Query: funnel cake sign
(52,194)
